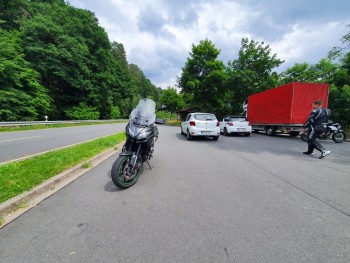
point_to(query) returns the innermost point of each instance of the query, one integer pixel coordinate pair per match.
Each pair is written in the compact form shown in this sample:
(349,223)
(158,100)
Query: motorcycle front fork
(132,164)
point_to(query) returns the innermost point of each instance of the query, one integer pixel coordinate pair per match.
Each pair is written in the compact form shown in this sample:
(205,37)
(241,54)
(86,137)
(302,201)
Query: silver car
(201,124)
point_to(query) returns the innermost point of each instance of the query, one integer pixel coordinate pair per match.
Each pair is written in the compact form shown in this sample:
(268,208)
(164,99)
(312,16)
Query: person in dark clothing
(316,125)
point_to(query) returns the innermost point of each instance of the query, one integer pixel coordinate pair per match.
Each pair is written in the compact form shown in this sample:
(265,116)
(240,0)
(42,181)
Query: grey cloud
(277,17)
(182,12)
(284,12)
(151,20)
(167,66)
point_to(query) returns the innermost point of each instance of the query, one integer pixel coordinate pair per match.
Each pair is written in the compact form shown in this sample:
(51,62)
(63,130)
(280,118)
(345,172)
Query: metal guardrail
(27,123)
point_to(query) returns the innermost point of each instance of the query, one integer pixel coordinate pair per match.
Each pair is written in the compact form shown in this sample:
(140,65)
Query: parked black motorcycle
(333,131)
(141,133)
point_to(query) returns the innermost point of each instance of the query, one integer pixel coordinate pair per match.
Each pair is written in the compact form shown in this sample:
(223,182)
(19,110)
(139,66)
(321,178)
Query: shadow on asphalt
(110,187)
(280,144)
(201,138)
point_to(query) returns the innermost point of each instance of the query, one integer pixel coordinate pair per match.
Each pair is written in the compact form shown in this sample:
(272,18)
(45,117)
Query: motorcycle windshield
(144,114)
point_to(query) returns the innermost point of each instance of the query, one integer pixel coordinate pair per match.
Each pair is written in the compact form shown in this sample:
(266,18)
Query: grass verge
(18,177)
(48,126)
(173,123)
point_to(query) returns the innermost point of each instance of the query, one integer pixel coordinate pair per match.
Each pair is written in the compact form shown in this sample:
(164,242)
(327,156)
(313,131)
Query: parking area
(238,199)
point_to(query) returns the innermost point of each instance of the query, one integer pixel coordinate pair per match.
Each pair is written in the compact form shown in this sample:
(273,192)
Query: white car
(200,124)
(235,125)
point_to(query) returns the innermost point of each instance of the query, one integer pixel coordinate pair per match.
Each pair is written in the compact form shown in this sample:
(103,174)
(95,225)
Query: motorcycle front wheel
(120,172)
(339,137)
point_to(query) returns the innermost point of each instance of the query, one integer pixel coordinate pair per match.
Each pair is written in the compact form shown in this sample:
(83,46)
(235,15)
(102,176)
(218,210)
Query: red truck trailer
(285,108)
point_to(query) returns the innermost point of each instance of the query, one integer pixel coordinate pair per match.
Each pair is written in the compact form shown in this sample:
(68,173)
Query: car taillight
(217,124)
(230,123)
(192,123)
(248,123)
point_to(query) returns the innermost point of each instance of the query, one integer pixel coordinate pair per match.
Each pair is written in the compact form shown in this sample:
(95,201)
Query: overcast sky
(158,34)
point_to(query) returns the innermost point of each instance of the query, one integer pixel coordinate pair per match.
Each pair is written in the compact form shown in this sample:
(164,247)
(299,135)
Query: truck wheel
(270,131)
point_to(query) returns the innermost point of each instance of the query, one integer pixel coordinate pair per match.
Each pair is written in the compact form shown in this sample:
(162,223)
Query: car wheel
(215,138)
(247,134)
(182,132)
(189,136)
(225,132)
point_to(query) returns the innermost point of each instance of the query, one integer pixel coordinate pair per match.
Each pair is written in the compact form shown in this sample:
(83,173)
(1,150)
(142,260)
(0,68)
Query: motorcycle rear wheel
(339,137)
(118,172)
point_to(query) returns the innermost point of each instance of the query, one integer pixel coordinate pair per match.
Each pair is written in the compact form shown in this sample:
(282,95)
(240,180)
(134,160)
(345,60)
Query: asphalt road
(241,199)
(14,145)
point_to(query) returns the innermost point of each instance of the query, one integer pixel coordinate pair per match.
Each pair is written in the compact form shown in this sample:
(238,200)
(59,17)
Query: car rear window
(237,119)
(204,117)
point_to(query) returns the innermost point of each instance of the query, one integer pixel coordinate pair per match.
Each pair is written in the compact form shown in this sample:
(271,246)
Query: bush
(82,112)
(166,115)
(115,112)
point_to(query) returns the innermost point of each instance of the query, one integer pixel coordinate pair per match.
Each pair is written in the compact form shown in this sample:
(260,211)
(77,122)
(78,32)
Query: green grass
(18,177)
(48,126)
(86,165)
(173,123)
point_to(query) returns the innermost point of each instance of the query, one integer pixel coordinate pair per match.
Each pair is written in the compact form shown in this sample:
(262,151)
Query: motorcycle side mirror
(163,107)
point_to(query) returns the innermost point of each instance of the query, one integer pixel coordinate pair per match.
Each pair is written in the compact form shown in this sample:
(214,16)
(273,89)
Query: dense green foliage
(59,62)
(324,71)
(82,112)
(21,94)
(172,100)
(203,77)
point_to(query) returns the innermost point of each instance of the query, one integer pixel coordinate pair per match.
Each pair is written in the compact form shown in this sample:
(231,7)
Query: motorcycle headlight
(131,132)
(142,135)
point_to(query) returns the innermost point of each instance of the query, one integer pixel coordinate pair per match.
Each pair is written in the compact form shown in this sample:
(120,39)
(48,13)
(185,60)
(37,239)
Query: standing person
(316,125)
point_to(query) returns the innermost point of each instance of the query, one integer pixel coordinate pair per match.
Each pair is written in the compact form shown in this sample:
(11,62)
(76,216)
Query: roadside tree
(251,72)
(202,77)
(172,100)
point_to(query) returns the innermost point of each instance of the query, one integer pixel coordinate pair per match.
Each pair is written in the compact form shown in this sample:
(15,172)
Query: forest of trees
(56,60)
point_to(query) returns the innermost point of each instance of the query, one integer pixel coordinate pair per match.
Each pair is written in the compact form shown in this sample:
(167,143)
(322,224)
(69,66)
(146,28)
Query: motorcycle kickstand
(149,165)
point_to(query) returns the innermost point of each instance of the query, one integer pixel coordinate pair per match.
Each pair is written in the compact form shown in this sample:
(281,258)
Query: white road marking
(19,139)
